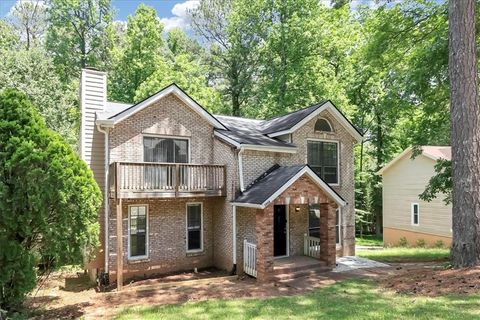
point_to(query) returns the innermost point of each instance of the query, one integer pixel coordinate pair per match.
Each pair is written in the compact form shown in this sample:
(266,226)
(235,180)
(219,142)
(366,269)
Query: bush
(403,242)
(421,243)
(439,244)
(48,200)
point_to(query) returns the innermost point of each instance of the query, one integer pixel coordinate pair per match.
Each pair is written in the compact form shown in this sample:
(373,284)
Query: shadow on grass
(352,299)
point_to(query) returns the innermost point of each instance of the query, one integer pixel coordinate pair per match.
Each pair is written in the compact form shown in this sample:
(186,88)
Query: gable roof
(116,117)
(432,152)
(275,181)
(292,121)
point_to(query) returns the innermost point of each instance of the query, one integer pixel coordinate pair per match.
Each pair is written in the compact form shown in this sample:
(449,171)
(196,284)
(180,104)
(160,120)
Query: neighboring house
(185,189)
(404,214)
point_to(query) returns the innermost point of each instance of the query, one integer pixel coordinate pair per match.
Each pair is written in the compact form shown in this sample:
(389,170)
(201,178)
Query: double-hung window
(137,231)
(194,227)
(415,214)
(322,156)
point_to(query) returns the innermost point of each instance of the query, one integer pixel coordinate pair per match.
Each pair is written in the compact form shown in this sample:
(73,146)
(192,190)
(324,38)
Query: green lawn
(369,240)
(406,254)
(352,299)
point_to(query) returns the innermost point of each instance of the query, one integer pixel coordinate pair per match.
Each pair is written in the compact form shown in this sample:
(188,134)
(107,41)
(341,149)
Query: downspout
(240,169)
(234,240)
(105,195)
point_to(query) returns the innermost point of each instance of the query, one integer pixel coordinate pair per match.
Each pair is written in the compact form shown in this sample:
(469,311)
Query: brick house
(185,189)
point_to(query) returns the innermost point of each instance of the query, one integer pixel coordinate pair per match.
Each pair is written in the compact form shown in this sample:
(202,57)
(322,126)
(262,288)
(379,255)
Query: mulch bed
(435,282)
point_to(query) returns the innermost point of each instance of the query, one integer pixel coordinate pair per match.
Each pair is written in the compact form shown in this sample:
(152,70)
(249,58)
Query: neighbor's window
(158,149)
(415,213)
(323,125)
(194,227)
(138,229)
(314,220)
(338,224)
(322,157)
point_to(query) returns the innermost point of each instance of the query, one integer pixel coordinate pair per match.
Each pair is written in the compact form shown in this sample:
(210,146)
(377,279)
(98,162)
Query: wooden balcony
(166,180)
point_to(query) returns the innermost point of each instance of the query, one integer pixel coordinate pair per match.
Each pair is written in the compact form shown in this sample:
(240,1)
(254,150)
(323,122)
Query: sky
(173,13)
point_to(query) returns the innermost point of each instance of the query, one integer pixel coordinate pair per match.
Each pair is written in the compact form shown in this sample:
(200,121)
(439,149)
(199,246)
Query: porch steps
(287,271)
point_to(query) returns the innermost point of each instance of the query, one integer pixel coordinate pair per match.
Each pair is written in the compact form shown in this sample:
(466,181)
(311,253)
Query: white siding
(402,183)
(93,97)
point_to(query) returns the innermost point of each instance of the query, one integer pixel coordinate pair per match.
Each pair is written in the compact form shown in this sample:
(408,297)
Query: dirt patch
(434,281)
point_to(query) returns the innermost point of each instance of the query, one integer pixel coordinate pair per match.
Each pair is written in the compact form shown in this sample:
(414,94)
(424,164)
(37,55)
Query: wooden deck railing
(166,180)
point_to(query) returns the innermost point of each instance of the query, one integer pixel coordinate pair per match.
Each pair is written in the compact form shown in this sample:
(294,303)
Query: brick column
(327,233)
(264,230)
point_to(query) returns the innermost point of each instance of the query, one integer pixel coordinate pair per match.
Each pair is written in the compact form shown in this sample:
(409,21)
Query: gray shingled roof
(112,108)
(287,121)
(268,183)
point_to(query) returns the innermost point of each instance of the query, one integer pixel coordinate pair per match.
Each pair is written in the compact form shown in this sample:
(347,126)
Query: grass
(351,299)
(399,254)
(369,240)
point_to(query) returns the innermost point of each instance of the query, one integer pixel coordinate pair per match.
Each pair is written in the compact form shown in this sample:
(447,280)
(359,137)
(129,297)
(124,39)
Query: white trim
(412,214)
(105,194)
(323,185)
(337,184)
(153,135)
(326,106)
(147,231)
(254,146)
(163,93)
(340,234)
(186,226)
(328,122)
(240,170)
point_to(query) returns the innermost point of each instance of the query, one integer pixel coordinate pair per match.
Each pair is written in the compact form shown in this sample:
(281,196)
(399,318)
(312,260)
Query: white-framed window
(415,211)
(137,231)
(338,226)
(323,158)
(194,227)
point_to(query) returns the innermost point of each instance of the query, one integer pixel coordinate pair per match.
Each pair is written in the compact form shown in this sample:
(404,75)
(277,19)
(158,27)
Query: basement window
(137,232)
(194,227)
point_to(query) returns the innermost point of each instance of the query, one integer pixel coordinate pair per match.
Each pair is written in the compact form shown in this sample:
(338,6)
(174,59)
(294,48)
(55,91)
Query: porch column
(264,231)
(327,233)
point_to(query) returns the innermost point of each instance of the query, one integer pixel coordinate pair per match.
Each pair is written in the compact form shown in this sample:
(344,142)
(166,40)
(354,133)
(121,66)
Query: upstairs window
(322,157)
(159,149)
(415,214)
(323,125)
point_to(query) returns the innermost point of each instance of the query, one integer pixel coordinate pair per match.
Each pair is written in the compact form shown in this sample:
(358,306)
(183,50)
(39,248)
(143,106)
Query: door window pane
(156,149)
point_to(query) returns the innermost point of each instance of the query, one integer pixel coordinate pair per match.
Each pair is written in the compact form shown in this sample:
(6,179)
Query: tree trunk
(465,136)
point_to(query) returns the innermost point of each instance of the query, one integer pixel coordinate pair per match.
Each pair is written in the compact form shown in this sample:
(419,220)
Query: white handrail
(249,258)
(311,246)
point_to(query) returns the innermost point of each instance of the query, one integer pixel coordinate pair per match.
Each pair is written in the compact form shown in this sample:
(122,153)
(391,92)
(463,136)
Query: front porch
(279,241)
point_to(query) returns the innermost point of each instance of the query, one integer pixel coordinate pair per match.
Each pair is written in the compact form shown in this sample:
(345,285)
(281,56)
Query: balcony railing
(166,180)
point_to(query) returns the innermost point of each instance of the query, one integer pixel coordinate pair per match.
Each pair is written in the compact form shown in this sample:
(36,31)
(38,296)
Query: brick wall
(257,162)
(167,238)
(298,226)
(168,116)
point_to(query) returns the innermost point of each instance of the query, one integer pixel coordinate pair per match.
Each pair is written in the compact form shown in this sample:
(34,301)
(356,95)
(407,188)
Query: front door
(279,230)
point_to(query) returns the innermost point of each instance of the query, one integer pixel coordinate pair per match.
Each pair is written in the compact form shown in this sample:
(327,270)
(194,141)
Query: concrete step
(303,271)
(294,267)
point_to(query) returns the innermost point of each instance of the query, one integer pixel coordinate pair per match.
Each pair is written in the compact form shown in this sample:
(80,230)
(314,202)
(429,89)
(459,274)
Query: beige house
(185,189)
(404,214)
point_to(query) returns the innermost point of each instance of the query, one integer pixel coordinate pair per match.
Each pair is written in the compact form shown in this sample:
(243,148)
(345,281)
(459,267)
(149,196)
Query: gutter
(234,238)
(105,196)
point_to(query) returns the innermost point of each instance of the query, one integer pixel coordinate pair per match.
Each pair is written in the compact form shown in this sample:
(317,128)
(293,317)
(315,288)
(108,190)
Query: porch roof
(275,181)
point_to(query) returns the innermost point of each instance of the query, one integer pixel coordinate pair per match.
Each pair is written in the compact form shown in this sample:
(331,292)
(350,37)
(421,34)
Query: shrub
(439,244)
(421,243)
(403,242)
(48,200)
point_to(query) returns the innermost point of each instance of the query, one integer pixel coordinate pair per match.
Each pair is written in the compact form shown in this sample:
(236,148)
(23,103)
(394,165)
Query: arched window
(323,125)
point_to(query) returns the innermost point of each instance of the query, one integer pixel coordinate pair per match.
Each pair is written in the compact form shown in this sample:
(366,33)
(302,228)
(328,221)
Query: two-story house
(185,189)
